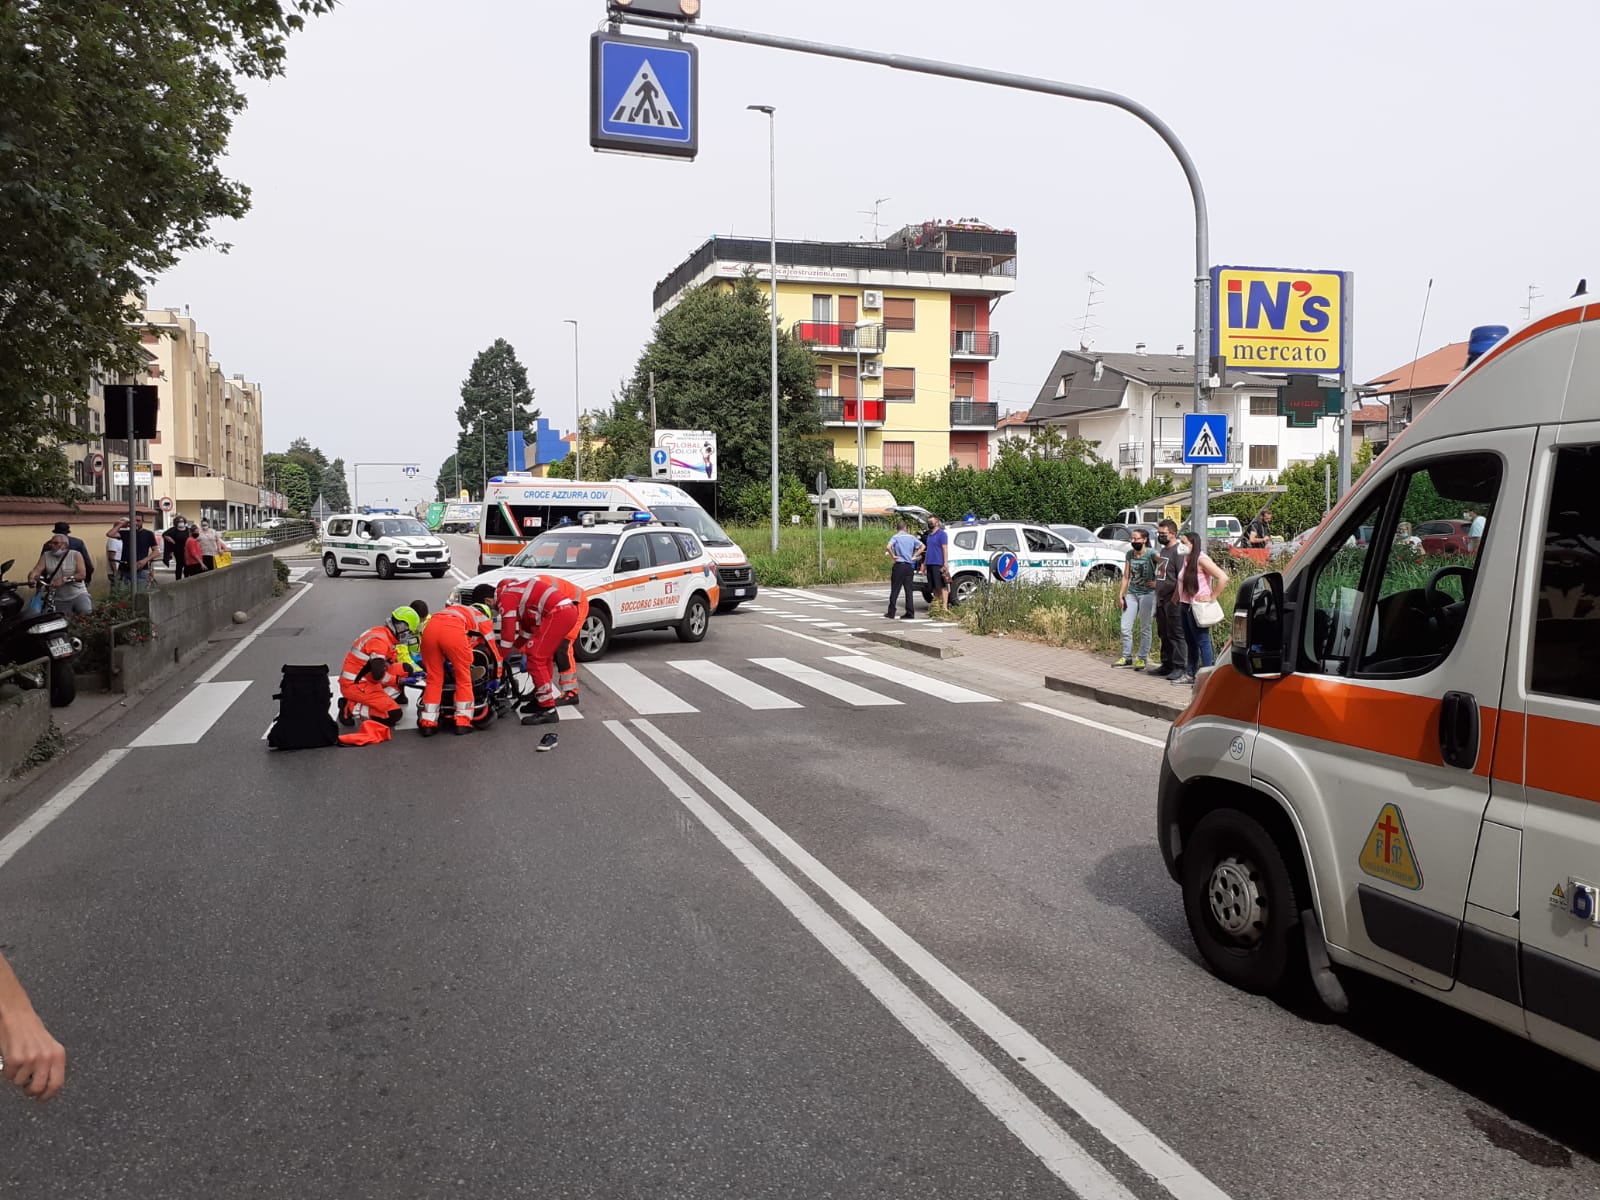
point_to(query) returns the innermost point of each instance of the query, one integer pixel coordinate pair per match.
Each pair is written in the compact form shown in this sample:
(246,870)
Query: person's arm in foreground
(33,1060)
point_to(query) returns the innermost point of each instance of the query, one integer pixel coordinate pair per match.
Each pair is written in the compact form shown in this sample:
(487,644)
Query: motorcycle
(32,629)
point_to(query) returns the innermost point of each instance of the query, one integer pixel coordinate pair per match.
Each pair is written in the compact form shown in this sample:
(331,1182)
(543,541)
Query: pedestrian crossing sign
(1205,438)
(643,95)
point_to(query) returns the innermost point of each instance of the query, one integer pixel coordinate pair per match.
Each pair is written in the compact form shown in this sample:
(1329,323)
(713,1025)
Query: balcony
(969,343)
(840,410)
(1169,456)
(974,414)
(830,337)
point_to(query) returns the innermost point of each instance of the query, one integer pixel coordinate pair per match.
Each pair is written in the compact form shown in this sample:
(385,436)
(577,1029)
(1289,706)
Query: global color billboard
(1278,321)
(685,455)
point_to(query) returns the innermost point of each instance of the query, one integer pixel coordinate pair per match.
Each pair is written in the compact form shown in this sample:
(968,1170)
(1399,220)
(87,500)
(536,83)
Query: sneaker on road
(1182,679)
(1123,662)
(1139,664)
(1159,671)
(547,742)
(543,716)
(909,617)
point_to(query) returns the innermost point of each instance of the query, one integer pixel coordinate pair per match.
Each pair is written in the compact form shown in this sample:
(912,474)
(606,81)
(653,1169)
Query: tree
(445,482)
(495,398)
(710,356)
(113,122)
(312,461)
(295,485)
(335,488)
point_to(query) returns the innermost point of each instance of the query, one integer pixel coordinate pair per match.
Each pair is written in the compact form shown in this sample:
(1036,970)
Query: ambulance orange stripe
(1508,746)
(1556,758)
(1226,695)
(1366,718)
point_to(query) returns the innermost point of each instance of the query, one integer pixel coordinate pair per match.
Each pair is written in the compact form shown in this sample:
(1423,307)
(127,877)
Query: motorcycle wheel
(63,683)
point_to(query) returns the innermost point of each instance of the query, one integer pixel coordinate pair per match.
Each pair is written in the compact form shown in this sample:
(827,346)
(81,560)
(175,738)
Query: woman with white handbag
(1199,584)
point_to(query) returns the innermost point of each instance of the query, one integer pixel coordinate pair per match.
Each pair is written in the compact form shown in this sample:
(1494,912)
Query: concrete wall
(25,526)
(24,719)
(185,613)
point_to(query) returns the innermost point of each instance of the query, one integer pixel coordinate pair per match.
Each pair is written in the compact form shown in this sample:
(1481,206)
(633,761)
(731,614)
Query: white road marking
(637,690)
(187,721)
(839,689)
(1103,728)
(819,641)
(57,804)
(1141,1145)
(746,691)
(456,571)
(798,594)
(926,684)
(1055,1148)
(831,625)
(223,663)
(853,629)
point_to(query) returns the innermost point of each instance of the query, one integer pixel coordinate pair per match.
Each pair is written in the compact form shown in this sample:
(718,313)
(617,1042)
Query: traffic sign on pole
(1205,438)
(659,460)
(97,463)
(643,95)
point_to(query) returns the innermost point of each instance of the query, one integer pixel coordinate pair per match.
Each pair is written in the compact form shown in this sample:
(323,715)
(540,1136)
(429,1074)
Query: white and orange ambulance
(1396,773)
(518,507)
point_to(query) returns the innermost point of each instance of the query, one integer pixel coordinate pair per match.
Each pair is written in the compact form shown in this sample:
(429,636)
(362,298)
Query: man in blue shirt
(902,549)
(933,558)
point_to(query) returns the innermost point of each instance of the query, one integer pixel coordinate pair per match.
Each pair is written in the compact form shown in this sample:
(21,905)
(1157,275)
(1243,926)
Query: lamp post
(772,214)
(577,404)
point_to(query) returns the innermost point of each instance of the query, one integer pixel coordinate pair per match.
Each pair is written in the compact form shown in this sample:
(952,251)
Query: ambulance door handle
(1458,730)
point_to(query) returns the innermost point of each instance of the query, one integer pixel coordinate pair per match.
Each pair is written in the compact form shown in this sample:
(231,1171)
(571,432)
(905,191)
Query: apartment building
(1132,406)
(901,329)
(207,457)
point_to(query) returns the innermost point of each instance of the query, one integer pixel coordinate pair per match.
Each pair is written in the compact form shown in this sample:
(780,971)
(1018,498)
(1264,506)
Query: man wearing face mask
(1169,618)
(174,547)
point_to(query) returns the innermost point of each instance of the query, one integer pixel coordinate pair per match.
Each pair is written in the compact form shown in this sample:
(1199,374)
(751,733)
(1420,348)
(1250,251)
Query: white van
(1393,774)
(519,507)
(387,544)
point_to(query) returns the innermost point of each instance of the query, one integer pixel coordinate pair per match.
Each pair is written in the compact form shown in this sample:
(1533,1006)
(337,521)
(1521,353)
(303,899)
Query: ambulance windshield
(692,516)
(568,550)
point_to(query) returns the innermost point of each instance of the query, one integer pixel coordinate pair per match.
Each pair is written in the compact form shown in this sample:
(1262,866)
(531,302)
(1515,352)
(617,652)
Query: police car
(386,544)
(637,573)
(1042,557)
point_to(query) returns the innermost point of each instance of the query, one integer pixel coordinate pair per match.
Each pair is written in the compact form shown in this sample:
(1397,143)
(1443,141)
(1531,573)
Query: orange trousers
(368,700)
(441,640)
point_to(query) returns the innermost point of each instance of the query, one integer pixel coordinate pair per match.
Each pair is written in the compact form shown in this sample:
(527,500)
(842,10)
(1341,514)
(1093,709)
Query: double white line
(1057,1149)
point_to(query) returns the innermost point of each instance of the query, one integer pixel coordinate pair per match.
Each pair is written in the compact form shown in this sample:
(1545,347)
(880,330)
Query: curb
(1148,708)
(931,649)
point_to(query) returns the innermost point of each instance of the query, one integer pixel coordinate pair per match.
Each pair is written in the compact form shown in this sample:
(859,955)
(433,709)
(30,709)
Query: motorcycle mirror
(6,566)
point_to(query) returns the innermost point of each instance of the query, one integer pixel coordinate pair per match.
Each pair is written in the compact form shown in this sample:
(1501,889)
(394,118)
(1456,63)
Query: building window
(847,382)
(899,383)
(1263,458)
(964,385)
(822,309)
(899,314)
(900,456)
(1263,406)
(824,381)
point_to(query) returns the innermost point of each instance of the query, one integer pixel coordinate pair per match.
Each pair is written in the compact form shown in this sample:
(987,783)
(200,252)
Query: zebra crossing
(678,686)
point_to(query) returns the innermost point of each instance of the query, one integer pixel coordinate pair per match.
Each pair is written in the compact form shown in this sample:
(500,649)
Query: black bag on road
(303,720)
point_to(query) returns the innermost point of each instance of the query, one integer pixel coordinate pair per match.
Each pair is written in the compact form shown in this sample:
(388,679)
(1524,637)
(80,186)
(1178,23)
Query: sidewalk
(1064,670)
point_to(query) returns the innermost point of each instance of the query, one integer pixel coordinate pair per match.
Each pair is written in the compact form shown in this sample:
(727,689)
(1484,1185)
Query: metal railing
(288,532)
(1169,454)
(983,413)
(833,337)
(835,410)
(972,342)
(1130,454)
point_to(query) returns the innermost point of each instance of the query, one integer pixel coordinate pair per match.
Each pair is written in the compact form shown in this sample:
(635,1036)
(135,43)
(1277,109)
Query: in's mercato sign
(1277,320)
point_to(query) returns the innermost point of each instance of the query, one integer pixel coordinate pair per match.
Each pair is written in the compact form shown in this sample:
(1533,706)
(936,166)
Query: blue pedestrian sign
(1205,438)
(643,95)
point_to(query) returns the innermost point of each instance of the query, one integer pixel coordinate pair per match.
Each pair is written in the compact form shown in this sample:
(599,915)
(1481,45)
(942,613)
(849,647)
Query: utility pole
(772,208)
(577,406)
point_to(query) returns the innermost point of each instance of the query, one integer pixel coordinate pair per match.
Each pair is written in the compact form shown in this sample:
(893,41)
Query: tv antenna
(1533,294)
(1087,324)
(873,213)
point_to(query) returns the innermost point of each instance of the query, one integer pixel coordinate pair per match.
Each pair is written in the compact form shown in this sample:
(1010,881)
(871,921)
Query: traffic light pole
(1026,83)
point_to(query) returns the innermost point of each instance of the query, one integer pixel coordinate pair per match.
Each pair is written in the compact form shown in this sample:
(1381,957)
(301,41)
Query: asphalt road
(747,932)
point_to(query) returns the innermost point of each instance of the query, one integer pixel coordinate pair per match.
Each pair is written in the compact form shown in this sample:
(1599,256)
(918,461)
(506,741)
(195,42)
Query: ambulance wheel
(1240,901)
(439,574)
(595,636)
(696,620)
(385,567)
(330,566)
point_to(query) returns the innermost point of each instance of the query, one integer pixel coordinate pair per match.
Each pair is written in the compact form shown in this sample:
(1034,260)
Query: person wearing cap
(369,684)
(78,544)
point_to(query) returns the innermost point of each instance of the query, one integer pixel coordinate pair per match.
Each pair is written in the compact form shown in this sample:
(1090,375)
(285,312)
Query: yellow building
(901,329)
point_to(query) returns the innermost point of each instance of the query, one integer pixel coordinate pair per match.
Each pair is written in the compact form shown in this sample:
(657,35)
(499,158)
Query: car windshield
(399,527)
(1074,533)
(692,516)
(568,550)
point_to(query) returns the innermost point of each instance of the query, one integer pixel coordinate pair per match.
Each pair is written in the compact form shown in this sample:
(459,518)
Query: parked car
(1443,537)
(1119,532)
(388,545)
(637,573)
(1043,557)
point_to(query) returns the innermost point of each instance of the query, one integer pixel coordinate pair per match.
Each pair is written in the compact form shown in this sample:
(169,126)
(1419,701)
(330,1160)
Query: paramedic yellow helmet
(404,619)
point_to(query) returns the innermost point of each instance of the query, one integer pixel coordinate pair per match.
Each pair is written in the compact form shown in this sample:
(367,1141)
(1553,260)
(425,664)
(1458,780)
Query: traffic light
(671,10)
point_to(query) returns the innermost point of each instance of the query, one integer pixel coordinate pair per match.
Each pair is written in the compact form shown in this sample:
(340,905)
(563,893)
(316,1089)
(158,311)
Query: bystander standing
(933,561)
(902,549)
(211,544)
(114,554)
(1200,581)
(174,548)
(1169,617)
(1258,534)
(1138,597)
(138,549)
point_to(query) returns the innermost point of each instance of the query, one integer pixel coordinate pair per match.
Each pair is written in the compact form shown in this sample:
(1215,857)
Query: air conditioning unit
(871,299)
(872,369)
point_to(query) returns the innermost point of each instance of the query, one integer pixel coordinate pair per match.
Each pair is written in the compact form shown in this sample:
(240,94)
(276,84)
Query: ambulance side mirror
(1263,643)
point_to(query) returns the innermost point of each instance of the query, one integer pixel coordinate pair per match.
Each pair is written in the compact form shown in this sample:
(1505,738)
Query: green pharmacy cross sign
(1304,402)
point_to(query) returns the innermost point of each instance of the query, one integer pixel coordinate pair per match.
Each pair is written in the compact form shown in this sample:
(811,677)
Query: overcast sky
(423,183)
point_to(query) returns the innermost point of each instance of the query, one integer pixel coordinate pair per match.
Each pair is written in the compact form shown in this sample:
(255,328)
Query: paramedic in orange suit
(448,635)
(536,617)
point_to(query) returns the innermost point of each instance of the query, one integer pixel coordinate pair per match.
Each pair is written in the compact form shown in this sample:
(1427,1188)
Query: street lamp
(577,405)
(772,213)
